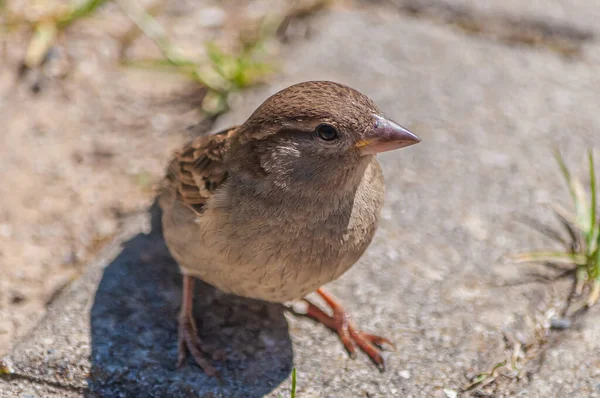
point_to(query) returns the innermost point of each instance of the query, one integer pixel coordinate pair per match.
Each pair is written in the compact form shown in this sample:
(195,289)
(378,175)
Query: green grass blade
(44,38)
(554,257)
(597,254)
(593,232)
(570,225)
(593,188)
(596,249)
(577,194)
(293,383)
(82,11)
(543,229)
(563,215)
(566,174)
(582,209)
(214,53)
(218,58)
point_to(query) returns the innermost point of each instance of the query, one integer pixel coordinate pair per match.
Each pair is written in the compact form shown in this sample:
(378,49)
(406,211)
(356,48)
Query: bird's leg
(188,337)
(349,334)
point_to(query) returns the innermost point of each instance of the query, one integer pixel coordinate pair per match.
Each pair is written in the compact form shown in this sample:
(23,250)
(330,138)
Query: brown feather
(197,169)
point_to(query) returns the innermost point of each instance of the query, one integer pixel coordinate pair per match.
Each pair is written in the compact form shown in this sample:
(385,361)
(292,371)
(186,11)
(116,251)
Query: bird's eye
(326,132)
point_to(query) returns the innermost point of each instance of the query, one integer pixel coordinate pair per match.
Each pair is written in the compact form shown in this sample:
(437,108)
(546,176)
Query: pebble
(450,393)
(6,230)
(560,323)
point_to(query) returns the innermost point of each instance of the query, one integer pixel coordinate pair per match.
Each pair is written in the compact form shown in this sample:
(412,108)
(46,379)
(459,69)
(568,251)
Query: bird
(277,207)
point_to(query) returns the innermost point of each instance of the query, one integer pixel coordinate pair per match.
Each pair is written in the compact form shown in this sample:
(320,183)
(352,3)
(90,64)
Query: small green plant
(583,229)
(231,73)
(221,74)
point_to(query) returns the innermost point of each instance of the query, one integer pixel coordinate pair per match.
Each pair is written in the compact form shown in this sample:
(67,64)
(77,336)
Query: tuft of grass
(485,378)
(218,77)
(231,73)
(582,226)
(222,74)
(47,29)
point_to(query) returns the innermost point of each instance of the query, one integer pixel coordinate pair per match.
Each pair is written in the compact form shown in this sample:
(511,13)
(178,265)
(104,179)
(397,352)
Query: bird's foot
(349,334)
(190,342)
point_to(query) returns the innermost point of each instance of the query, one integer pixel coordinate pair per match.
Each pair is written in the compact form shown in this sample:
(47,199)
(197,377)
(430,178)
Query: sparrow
(281,205)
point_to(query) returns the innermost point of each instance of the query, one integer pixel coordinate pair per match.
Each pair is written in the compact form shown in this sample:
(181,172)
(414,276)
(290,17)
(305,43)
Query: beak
(385,136)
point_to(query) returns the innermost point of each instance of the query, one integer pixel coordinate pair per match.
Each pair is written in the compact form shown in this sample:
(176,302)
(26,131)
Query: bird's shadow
(134,331)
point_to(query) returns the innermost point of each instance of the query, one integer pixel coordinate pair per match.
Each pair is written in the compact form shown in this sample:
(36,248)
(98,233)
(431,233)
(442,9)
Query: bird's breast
(283,252)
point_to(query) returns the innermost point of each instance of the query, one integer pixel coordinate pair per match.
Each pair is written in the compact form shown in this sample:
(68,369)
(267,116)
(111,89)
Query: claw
(340,322)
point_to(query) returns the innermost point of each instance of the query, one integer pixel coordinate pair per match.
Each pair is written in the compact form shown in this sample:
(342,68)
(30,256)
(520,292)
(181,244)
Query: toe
(181,351)
(199,357)
(379,341)
(188,341)
(368,346)
(348,342)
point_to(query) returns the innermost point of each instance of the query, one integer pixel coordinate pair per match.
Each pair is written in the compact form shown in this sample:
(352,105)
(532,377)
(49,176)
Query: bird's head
(319,133)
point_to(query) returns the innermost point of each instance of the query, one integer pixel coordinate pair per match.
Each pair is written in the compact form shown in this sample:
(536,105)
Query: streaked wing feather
(197,169)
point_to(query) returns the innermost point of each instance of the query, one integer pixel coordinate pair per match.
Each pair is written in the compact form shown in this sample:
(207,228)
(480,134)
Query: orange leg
(350,336)
(188,337)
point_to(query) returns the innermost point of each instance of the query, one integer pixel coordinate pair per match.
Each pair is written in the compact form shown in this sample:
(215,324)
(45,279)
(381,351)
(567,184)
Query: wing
(197,169)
